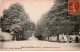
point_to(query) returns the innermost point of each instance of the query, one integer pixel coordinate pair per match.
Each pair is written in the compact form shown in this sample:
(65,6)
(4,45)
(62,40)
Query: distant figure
(65,38)
(70,41)
(61,38)
(77,39)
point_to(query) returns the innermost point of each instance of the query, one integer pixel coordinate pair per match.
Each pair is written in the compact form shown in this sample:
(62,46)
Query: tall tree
(16,19)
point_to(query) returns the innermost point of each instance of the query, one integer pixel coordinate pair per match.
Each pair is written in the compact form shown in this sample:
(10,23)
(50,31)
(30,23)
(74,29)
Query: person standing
(65,38)
(76,39)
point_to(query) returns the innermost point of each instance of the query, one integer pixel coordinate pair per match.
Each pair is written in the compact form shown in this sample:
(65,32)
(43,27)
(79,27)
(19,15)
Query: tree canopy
(15,19)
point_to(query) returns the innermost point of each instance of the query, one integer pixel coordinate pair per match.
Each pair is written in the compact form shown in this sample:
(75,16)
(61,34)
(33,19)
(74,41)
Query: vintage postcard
(39,25)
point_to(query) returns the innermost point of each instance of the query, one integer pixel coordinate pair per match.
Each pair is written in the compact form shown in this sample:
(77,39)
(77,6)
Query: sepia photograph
(39,25)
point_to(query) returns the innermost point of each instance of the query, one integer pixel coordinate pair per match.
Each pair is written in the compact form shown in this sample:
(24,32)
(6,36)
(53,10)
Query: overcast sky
(35,8)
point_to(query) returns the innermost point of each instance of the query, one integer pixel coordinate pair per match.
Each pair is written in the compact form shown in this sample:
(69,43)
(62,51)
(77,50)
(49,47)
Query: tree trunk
(58,38)
(48,38)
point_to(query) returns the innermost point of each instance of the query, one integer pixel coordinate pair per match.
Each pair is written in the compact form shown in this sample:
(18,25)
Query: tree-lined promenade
(54,23)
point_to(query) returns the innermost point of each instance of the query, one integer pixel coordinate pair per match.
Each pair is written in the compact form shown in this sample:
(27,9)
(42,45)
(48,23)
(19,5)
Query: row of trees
(58,21)
(16,20)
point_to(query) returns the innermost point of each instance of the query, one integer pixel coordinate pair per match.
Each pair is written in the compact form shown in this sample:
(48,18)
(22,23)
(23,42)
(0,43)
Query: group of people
(69,38)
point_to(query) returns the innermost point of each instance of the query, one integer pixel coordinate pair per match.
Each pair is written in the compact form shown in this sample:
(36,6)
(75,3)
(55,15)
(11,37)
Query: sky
(35,8)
